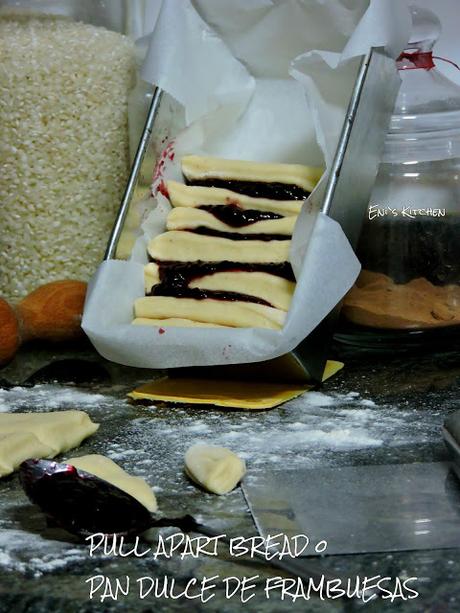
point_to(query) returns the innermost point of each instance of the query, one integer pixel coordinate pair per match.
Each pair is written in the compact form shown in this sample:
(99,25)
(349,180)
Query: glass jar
(409,289)
(66,72)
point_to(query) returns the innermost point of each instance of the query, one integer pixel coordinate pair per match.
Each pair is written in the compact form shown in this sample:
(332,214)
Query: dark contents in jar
(408,249)
(410,277)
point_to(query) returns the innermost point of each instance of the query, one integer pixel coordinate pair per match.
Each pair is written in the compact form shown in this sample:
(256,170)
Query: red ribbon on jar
(420,59)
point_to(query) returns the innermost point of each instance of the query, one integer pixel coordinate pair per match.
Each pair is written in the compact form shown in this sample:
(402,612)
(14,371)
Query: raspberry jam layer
(184,272)
(240,237)
(236,217)
(176,277)
(163,289)
(256,189)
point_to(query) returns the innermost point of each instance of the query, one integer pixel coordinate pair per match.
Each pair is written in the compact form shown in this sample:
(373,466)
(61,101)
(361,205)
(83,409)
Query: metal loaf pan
(344,198)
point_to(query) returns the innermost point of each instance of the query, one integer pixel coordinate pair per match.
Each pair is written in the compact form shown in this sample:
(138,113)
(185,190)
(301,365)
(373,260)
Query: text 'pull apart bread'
(224,258)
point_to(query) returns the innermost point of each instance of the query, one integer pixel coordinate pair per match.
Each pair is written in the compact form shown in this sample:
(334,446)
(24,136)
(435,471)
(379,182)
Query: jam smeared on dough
(175,279)
(182,291)
(198,220)
(224,258)
(187,271)
(234,236)
(237,217)
(256,179)
(256,189)
(194,196)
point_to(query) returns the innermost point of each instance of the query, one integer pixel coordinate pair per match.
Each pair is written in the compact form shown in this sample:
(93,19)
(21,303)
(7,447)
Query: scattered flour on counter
(305,432)
(26,551)
(319,399)
(49,555)
(122,455)
(8,562)
(308,431)
(48,397)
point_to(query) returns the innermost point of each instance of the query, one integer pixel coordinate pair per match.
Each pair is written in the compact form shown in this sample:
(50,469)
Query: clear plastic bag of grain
(64,157)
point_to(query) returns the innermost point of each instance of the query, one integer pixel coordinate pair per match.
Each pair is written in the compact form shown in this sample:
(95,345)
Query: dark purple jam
(232,215)
(184,272)
(80,502)
(256,189)
(182,291)
(240,237)
(175,279)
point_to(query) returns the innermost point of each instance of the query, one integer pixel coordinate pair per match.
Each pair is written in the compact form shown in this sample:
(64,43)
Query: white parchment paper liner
(253,88)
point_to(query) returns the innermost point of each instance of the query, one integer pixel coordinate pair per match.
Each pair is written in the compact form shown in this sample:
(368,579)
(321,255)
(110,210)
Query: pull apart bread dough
(233,314)
(106,469)
(184,218)
(198,169)
(224,259)
(188,247)
(40,435)
(181,195)
(260,284)
(216,469)
(173,321)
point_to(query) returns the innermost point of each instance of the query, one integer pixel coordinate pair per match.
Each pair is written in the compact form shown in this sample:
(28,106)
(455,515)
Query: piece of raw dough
(216,469)
(176,322)
(60,430)
(106,469)
(226,313)
(274,290)
(196,195)
(271,288)
(187,218)
(15,447)
(197,167)
(179,246)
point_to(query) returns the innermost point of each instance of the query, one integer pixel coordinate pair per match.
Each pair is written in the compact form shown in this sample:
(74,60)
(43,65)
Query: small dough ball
(106,469)
(216,469)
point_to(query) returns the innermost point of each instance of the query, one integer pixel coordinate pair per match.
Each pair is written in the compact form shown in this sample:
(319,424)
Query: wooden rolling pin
(52,312)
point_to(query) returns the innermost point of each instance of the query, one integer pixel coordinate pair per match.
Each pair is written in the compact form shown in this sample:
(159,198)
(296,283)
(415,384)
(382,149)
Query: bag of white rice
(64,157)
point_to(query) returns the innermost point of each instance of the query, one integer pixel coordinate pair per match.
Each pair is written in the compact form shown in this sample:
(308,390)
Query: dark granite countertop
(377,410)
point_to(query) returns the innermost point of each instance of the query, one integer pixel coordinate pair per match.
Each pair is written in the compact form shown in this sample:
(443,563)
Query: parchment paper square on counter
(249,395)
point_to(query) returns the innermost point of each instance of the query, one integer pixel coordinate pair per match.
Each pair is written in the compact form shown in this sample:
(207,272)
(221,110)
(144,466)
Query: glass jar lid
(426,119)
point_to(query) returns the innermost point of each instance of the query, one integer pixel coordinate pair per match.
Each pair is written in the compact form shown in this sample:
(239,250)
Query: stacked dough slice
(224,259)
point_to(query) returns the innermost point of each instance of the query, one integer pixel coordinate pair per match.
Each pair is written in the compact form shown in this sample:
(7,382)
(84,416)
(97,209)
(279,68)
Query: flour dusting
(315,429)
(48,397)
